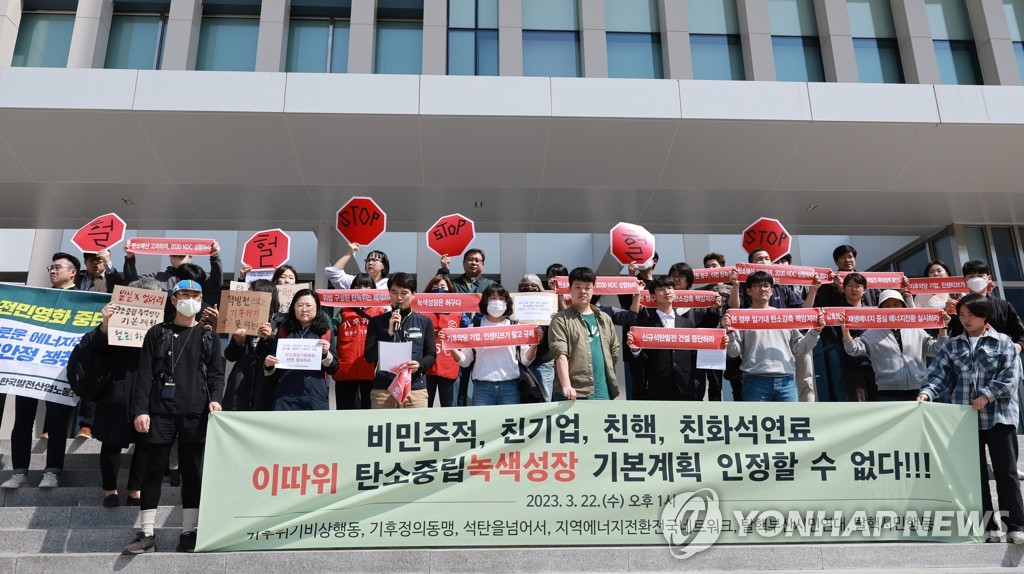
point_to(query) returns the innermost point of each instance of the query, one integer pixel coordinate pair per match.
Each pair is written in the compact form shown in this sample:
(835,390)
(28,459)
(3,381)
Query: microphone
(395,324)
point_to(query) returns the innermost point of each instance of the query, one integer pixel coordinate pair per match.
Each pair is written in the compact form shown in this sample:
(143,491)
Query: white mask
(188,307)
(646,266)
(495,308)
(977,284)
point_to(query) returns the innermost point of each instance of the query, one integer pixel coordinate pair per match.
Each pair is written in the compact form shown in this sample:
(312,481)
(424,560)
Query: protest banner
(135,311)
(750,319)
(446,303)
(613,285)
(485,337)
(684,299)
(38,330)
(784,274)
(165,246)
(891,318)
(878,279)
(286,292)
(673,338)
(534,308)
(590,473)
(938,285)
(354,298)
(711,275)
(243,310)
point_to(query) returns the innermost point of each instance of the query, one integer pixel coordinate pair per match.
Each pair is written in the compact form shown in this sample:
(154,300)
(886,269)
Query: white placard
(535,308)
(299,354)
(391,355)
(711,360)
(255,274)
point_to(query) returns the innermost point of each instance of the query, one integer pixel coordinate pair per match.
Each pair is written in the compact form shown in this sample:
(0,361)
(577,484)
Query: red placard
(354,297)
(875,318)
(451,235)
(361,220)
(784,274)
(487,337)
(446,303)
(101,233)
(684,299)
(769,235)
(938,285)
(755,319)
(267,250)
(711,275)
(604,285)
(670,338)
(878,279)
(631,243)
(165,246)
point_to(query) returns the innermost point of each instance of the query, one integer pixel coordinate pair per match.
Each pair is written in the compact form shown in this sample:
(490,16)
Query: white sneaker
(16,480)
(1015,537)
(49,480)
(1020,474)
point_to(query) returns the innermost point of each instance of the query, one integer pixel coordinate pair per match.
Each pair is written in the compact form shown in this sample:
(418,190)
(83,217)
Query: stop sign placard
(101,233)
(631,243)
(267,249)
(451,235)
(769,235)
(361,220)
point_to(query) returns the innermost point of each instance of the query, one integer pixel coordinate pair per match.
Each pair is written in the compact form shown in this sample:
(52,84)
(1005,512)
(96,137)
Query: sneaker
(1020,474)
(187,542)
(993,536)
(141,544)
(49,480)
(16,480)
(111,501)
(1015,537)
(132,501)
(44,436)
(84,433)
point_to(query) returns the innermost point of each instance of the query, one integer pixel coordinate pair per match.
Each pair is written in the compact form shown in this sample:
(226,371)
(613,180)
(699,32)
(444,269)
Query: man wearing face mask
(634,367)
(180,383)
(1004,318)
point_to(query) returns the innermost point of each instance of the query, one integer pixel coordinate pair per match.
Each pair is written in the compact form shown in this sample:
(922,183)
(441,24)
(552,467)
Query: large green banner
(38,329)
(686,475)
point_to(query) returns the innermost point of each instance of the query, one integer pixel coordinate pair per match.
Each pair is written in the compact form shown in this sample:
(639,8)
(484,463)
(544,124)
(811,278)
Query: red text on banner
(662,338)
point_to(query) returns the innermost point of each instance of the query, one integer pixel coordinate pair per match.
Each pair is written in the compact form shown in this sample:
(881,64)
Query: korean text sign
(243,310)
(135,311)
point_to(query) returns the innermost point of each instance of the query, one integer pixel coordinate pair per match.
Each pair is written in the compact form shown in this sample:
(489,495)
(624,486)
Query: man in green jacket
(584,345)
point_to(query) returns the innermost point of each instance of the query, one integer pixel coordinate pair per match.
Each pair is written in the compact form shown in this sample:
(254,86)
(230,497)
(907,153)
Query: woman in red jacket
(354,376)
(441,377)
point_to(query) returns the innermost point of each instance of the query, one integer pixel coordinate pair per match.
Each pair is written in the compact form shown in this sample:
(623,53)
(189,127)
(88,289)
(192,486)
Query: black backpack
(87,375)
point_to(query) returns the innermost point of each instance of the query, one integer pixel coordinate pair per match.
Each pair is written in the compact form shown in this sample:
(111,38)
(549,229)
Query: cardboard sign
(243,310)
(875,318)
(534,308)
(285,294)
(164,246)
(877,279)
(683,299)
(784,274)
(487,337)
(238,286)
(631,243)
(354,298)
(135,311)
(753,319)
(711,275)
(769,235)
(451,235)
(299,354)
(938,285)
(361,220)
(267,249)
(604,285)
(672,338)
(446,303)
(101,233)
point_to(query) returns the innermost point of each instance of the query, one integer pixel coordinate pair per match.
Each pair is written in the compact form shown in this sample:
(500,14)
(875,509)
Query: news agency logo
(683,518)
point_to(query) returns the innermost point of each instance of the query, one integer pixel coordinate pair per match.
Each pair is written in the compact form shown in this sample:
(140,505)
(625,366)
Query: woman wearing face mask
(354,377)
(297,390)
(495,370)
(441,377)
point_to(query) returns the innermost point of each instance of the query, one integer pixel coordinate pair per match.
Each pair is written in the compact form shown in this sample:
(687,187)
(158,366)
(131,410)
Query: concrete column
(10,21)
(361,36)
(325,239)
(272,45)
(756,36)
(837,55)
(995,48)
(182,44)
(593,42)
(510,38)
(677,61)
(915,38)
(435,37)
(90,35)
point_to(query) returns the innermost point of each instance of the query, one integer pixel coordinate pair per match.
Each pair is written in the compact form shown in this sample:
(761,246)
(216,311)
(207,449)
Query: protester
(354,377)
(247,387)
(856,373)
(635,377)
(713,377)
(177,271)
(99,276)
(441,376)
(1004,318)
(935,269)
(543,366)
(831,294)
(285,275)
(376,266)
(296,389)
(472,280)
(584,345)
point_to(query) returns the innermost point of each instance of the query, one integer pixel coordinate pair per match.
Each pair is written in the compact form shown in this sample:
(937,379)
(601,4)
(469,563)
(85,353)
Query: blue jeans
(487,393)
(546,373)
(769,388)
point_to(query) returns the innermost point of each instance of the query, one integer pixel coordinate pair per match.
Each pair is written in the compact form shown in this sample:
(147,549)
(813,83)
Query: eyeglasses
(474,260)
(58,267)
(372,260)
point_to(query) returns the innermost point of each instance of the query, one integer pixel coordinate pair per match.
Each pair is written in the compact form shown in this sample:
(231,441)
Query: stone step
(59,540)
(84,461)
(73,477)
(82,517)
(30,495)
(74,446)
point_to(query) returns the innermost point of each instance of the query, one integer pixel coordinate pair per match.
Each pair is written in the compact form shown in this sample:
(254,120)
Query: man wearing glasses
(64,270)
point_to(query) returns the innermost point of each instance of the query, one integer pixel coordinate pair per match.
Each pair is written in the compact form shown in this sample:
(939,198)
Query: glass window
(473,14)
(339,46)
(944,250)
(792,18)
(399,48)
(1015,18)
(977,246)
(713,17)
(1018,49)
(136,42)
(878,60)
(912,263)
(550,15)
(228,44)
(958,62)
(871,19)
(44,40)
(1015,297)
(473,37)
(631,16)
(717,57)
(797,59)
(547,53)
(1007,255)
(634,55)
(949,20)
(308,40)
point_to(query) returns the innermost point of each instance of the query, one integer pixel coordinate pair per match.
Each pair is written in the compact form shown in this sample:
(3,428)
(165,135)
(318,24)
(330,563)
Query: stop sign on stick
(267,249)
(769,235)
(631,243)
(361,220)
(101,233)
(451,235)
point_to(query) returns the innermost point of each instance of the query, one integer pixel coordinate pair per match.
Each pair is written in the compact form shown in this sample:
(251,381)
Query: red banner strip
(684,299)
(354,297)
(604,285)
(754,319)
(446,303)
(785,274)
(662,338)
(486,337)
(875,318)
(878,279)
(938,285)
(711,275)
(165,246)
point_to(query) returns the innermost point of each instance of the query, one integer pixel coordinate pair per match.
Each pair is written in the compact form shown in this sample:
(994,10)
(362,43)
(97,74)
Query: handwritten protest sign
(135,311)
(285,294)
(243,310)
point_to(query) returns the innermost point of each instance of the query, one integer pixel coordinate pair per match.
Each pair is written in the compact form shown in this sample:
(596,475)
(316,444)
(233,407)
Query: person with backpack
(302,390)
(180,383)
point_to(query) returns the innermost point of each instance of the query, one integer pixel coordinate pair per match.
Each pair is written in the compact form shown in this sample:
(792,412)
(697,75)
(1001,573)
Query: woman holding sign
(441,377)
(301,371)
(854,370)
(246,386)
(354,376)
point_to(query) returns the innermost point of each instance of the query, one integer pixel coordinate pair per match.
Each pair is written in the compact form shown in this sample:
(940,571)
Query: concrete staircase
(68,530)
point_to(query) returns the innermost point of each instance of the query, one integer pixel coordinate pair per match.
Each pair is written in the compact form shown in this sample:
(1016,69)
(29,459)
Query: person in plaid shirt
(981,367)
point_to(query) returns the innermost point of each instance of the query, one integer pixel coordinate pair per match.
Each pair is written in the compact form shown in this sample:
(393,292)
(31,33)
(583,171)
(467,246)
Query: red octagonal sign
(451,235)
(631,243)
(267,249)
(361,220)
(101,233)
(769,235)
